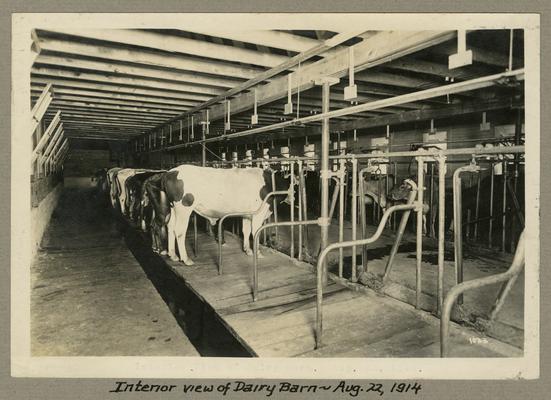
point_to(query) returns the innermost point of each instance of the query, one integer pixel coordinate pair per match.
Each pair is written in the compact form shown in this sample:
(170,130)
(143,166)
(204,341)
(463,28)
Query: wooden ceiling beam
(111,88)
(94,100)
(169,61)
(88,114)
(394,80)
(484,56)
(287,65)
(371,52)
(114,120)
(268,38)
(114,107)
(77,135)
(111,112)
(177,44)
(85,94)
(72,122)
(104,130)
(203,91)
(120,68)
(436,69)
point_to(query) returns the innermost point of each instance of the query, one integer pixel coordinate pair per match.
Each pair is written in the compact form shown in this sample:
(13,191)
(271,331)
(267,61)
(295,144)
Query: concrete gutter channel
(200,323)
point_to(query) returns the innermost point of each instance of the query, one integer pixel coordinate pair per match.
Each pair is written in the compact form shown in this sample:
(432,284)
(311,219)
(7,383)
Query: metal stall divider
(457,291)
(458,220)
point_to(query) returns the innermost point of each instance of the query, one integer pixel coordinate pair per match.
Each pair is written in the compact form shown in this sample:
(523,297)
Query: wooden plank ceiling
(120,84)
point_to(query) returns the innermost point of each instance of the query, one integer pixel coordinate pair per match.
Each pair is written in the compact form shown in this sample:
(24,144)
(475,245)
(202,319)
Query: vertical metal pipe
(518,135)
(363,222)
(379,197)
(491,214)
(419,249)
(300,218)
(477,207)
(347,189)
(274,204)
(394,181)
(304,206)
(292,206)
(430,231)
(458,226)
(354,220)
(373,212)
(341,213)
(441,229)
(255,267)
(504,207)
(324,240)
(387,190)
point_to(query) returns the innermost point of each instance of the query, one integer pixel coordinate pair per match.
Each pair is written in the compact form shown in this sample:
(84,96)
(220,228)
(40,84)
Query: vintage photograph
(280,187)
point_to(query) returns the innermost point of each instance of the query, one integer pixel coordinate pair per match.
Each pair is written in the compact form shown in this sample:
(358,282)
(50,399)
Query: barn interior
(342,119)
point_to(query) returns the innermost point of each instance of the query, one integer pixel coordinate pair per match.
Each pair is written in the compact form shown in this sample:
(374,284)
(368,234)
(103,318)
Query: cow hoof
(248,252)
(163,253)
(174,258)
(188,262)
(260,255)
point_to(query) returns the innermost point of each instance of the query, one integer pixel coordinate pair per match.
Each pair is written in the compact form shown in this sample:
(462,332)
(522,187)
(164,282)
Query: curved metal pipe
(335,246)
(458,290)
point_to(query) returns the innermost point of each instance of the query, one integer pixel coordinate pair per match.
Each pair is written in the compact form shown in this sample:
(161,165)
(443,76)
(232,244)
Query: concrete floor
(90,296)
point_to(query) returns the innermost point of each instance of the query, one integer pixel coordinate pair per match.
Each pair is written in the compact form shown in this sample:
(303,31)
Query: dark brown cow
(155,211)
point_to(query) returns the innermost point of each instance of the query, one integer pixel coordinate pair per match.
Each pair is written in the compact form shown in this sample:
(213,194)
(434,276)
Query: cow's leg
(257,223)
(172,236)
(247,229)
(181,222)
(424,224)
(162,240)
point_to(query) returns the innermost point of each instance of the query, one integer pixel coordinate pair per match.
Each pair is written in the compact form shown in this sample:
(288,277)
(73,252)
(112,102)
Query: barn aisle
(89,294)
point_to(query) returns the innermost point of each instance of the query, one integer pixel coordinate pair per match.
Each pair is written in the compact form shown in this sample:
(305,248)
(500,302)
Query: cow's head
(401,192)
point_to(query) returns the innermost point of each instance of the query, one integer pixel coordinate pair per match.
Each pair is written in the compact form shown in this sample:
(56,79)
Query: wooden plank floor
(281,323)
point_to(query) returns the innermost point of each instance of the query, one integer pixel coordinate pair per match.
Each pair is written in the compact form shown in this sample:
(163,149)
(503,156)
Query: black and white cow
(111,178)
(213,193)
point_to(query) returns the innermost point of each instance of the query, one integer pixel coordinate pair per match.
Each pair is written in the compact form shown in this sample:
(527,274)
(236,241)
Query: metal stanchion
(342,168)
(491,220)
(300,218)
(419,242)
(292,206)
(354,208)
(457,221)
(441,229)
(504,207)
